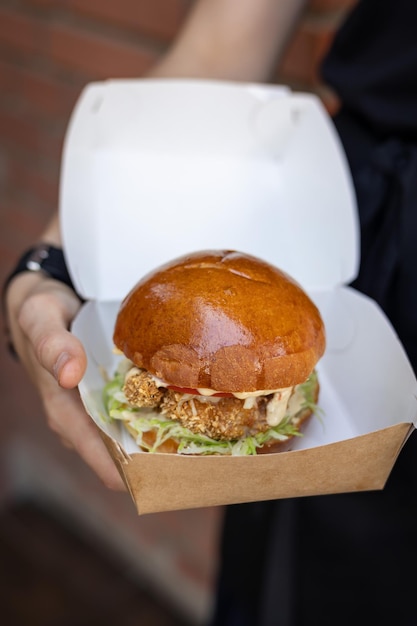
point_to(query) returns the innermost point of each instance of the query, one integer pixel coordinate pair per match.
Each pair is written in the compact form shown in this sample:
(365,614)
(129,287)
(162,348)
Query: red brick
(97,56)
(27,178)
(43,93)
(25,133)
(24,224)
(21,32)
(44,3)
(8,78)
(14,129)
(158,17)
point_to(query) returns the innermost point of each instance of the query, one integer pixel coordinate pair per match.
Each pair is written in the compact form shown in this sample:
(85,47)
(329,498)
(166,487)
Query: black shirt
(372,65)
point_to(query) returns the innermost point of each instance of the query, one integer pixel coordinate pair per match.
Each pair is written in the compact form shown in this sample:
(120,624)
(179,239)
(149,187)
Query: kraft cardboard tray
(155,169)
(368,398)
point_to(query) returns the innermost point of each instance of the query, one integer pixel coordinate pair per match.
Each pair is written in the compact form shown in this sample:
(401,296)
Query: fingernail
(63,358)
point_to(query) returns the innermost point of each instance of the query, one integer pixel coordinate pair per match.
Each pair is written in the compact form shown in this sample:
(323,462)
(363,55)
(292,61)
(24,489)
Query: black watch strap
(42,258)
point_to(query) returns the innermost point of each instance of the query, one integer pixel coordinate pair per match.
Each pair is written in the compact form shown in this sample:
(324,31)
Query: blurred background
(72,552)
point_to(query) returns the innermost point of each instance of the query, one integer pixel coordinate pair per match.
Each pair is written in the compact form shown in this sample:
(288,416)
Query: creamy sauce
(241,395)
(296,401)
(276,409)
(286,401)
(133,371)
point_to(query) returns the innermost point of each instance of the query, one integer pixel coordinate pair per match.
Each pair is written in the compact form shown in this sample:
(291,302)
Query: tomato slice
(219,394)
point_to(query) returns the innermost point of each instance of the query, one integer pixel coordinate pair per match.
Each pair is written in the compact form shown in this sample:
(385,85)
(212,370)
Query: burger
(219,357)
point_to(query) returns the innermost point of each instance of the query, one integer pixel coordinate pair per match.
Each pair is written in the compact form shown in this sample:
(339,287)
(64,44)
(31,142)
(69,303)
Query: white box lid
(154,169)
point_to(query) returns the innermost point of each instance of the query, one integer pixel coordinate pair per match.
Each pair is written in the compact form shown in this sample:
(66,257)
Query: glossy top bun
(221,320)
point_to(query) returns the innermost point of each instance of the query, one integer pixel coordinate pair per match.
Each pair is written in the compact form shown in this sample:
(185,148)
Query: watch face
(45,258)
(37,258)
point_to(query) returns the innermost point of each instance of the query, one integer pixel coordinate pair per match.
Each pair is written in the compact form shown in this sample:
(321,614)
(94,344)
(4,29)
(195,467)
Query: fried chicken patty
(218,418)
(140,389)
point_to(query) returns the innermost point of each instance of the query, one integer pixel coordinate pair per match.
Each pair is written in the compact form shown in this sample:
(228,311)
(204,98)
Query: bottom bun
(169,446)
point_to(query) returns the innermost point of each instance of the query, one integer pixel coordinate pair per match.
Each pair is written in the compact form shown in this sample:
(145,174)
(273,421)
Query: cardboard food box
(153,169)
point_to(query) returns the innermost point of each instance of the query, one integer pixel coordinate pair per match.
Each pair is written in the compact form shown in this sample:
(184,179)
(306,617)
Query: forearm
(232,39)
(51,233)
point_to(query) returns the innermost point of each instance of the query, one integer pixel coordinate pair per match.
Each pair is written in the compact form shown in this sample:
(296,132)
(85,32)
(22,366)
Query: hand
(40,311)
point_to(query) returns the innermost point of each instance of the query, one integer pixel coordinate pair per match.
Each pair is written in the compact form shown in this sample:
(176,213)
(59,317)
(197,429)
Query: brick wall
(49,49)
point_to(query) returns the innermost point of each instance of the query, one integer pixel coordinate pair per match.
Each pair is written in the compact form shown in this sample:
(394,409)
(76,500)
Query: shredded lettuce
(142,420)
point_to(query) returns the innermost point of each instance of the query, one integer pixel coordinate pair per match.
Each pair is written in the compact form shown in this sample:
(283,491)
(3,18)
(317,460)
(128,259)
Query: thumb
(44,319)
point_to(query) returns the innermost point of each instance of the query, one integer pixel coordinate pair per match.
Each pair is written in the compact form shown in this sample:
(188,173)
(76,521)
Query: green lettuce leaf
(143,420)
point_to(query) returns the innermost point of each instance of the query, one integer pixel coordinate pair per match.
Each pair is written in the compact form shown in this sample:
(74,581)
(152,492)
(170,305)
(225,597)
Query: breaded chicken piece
(140,389)
(219,418)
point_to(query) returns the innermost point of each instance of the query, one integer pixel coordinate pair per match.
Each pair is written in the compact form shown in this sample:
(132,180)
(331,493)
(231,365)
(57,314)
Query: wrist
(40,262)
(15,293)
(45,258)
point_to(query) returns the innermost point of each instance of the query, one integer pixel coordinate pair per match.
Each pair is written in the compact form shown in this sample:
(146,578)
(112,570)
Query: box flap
(153,169)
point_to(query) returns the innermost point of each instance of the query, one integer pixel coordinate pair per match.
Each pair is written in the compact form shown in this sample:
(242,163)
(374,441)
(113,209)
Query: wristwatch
(42,258)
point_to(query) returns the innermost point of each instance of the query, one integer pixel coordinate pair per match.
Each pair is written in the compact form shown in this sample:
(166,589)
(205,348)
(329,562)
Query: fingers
(40,313)
(44,318)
